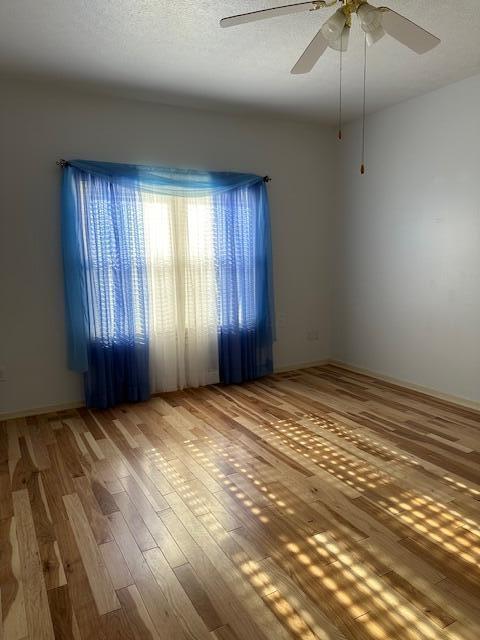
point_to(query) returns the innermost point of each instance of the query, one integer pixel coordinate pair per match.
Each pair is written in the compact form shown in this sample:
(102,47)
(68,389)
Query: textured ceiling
(174,51)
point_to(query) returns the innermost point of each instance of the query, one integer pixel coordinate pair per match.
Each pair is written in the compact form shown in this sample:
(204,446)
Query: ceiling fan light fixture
(333,27)
(375,36)
(370,18)
(341,43)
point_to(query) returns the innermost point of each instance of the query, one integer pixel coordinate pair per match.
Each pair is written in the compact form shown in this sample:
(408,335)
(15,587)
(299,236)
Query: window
(167,278)
(182,290)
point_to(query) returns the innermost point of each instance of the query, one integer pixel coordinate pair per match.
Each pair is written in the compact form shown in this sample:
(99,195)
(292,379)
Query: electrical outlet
(3,373)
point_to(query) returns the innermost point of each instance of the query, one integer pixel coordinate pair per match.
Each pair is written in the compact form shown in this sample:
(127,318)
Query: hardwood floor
(317,504)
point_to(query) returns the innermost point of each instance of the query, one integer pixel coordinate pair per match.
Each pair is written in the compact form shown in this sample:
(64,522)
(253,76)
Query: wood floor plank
(116,566)
(137,614)
(100,583)
(289,593)
(241,588)
(198,596)
(39,619)
(152,595)
(6,505)
(157,529)
(64,622)
(136,524)
(96,518)
(226,604)
(79,604)
(14,619)
(224,633)
(179,602)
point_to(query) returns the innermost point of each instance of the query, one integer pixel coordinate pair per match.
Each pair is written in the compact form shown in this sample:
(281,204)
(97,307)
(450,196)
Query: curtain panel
(168,278)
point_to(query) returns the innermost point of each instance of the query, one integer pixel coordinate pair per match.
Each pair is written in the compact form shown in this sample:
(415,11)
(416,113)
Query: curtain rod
(64,163)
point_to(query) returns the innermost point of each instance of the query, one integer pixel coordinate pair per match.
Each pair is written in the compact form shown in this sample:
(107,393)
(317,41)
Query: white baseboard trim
(427,391)
(301,365)
(36,411)
(40,410)
(469,404)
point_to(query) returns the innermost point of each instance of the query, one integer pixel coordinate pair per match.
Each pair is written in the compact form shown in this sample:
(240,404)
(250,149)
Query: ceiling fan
(334,33)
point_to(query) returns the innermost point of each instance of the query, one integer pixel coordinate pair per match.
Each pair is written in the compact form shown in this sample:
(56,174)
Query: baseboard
(40,410)
(451,399)
(426,391)
(77,405)
(301,365)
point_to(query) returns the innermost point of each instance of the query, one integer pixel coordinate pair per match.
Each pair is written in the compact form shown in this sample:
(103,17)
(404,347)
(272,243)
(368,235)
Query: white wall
(407,265)
(39,124)
(403,267)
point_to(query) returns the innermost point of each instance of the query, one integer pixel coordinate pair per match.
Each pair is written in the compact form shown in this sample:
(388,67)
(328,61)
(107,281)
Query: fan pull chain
(340,97)
(362,166)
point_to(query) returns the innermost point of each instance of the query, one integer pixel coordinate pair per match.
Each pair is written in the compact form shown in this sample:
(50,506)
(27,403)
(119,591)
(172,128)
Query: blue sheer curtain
(106,286)
(245,292)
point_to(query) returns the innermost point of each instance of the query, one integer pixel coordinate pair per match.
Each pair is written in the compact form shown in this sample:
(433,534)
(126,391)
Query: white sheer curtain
(182,283)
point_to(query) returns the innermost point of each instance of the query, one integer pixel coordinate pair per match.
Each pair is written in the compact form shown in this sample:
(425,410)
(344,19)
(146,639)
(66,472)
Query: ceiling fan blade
(243,18)
(407,32)
(312,53)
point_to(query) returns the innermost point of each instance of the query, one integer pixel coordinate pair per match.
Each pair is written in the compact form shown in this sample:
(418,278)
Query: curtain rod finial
(267,179)
(61,163)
